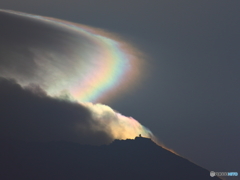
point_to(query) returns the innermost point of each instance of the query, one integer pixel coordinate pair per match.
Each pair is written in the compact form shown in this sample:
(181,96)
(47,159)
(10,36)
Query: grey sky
(191,99)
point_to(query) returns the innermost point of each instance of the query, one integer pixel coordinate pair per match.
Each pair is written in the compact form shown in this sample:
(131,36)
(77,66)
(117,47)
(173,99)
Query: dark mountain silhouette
(139,159)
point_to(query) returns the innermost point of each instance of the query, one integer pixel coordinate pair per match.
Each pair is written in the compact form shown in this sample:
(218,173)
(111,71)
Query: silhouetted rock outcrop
(139,159)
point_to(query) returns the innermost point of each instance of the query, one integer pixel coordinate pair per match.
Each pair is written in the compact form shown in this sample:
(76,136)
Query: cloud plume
(54,75)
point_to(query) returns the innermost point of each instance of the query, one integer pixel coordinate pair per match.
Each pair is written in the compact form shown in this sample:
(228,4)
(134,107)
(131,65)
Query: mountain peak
(138,158)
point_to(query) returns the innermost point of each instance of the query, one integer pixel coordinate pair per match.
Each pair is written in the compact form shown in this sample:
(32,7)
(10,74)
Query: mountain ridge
(139,158)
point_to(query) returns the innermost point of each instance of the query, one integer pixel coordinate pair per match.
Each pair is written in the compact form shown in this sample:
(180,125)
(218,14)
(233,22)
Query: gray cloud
(31,115)
(28,45)
(36,51)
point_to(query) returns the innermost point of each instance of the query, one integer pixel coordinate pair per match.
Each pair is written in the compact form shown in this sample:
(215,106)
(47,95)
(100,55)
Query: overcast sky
(190,99)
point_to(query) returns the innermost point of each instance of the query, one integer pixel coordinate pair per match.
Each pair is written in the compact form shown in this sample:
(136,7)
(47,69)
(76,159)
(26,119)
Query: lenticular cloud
(73,62)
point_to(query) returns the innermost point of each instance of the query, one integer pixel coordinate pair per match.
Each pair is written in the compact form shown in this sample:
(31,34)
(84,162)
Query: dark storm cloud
(30,115)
